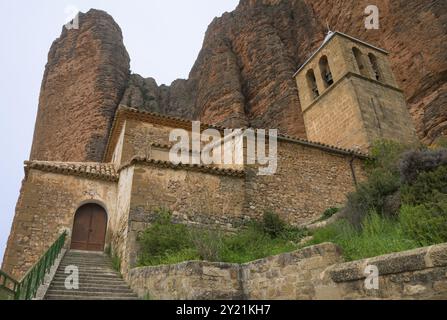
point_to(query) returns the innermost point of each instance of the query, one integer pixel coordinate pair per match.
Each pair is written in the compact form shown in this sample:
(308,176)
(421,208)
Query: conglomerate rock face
(84,79)
(243,75)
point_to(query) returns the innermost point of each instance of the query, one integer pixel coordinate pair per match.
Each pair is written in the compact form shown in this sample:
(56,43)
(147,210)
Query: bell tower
(349,96)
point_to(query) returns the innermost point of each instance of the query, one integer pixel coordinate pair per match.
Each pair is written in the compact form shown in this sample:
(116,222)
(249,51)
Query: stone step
(91,272)
(111,280)
(87,285)
(90,279)
(97,279)
(78,293)
(86,258)
(96,257)
(86,263)
(55,297)
(93,287)
(84,289)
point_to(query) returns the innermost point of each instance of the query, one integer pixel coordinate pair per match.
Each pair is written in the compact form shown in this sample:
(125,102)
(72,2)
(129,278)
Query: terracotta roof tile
(92,170)
(196,167)
(186,124)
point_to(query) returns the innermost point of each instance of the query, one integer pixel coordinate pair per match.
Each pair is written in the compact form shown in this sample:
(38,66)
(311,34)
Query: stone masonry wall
(312,273)
(119,223)
(194,198)
(414,274)
(336,109)
(303,174)
(139,136)
(384,112)
(365,108)
(193,280)
(46,206)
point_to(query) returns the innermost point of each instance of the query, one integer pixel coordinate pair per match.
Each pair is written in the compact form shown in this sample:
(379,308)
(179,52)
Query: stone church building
(349,99)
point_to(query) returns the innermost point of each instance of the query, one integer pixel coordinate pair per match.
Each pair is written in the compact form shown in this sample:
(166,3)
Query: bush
(208,244)
(328,213)
(402,205)
(163,238)
(414,163)
(428,187)
(167,243)
(371,196)
(385,155)
(272,224)
(378,192)
(425,224)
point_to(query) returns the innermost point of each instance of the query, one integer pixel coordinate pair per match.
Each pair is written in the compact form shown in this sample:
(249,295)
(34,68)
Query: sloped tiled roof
(91,170)
(125,112)
(196,167)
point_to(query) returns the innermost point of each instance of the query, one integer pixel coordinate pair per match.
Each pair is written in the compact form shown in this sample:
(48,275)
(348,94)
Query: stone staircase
(97,279)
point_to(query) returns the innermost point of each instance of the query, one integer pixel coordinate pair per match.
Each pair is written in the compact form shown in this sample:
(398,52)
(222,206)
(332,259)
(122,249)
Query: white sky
(163,38)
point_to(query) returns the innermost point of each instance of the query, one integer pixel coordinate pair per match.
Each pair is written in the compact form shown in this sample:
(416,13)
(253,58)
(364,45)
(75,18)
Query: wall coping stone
(406,261)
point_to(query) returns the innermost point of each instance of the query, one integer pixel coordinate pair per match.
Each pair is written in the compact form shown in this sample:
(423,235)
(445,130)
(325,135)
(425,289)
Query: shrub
(208,243)
(402,205)
(163,238)
(426,224)
(427,188)
(414,163)
(272,224)
(385,155)
(167,243)
(371,195)
(328,213)
(379,192)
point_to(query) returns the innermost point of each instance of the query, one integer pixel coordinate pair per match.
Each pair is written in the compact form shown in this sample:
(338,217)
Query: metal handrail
(8,285)
(26,289)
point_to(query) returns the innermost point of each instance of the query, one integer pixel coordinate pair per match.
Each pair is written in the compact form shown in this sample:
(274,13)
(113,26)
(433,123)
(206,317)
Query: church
(349,99)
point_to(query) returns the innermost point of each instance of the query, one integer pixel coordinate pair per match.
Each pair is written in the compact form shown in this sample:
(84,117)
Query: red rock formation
(243,75)
(85,77)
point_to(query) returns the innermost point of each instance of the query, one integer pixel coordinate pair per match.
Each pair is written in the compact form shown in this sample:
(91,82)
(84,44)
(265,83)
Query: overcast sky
(163,38)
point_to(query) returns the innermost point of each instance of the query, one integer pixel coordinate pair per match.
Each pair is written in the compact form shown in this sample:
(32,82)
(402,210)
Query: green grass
(167,243)
(377,236)
(401,206)
(252,244)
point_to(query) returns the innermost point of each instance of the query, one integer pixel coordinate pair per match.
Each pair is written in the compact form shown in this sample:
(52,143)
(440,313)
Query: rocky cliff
(243,74)
(84,79)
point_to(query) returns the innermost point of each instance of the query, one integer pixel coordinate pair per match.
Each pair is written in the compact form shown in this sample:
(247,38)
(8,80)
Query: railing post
(27,288)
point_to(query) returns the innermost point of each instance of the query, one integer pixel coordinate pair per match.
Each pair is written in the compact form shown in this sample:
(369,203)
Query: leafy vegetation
(116,261)
(401,206)
(165,242)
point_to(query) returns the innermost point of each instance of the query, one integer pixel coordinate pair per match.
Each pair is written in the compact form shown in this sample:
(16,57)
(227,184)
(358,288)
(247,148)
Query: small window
(375,67)
(359,59)
(326,73)
(312,83)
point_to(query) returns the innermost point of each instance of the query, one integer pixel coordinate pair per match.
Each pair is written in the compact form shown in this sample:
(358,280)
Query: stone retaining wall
(312,273)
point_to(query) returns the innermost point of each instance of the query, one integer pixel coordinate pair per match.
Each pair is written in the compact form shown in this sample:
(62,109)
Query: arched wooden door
(89,228)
